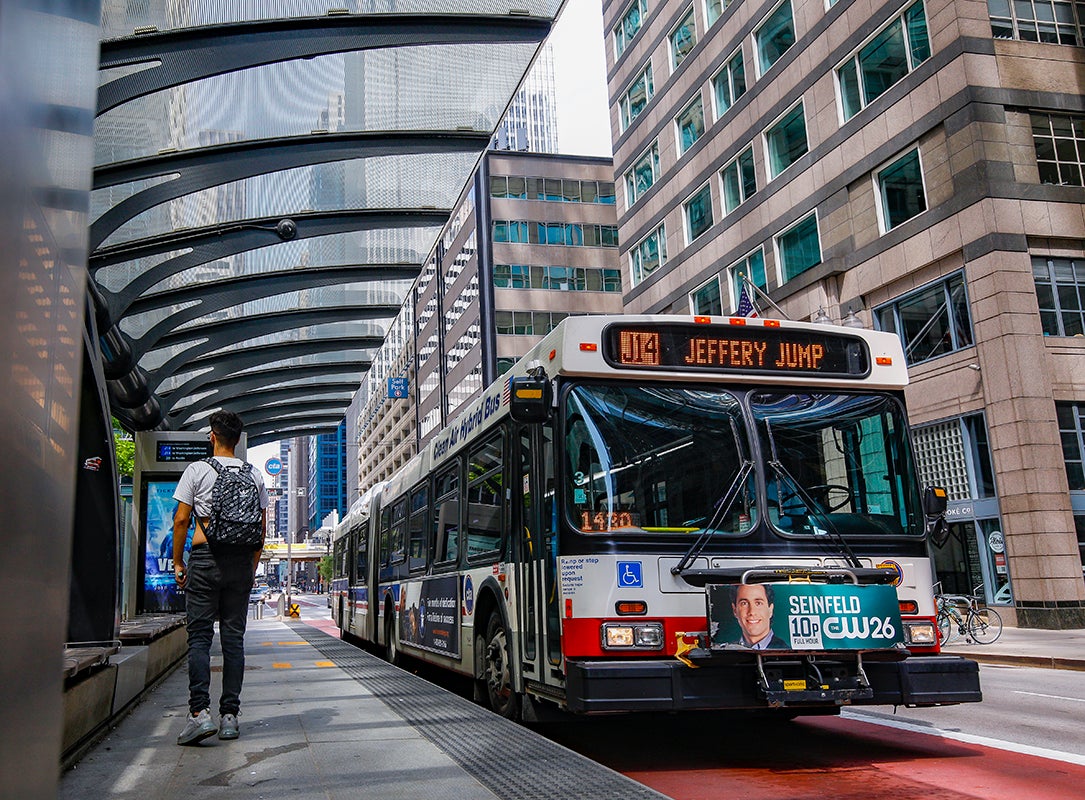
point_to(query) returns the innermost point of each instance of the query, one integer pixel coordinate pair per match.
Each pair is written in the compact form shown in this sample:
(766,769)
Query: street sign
(273,466)
(397,388)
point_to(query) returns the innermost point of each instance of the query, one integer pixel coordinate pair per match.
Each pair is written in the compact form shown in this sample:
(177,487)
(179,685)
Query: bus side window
(385,537)
(417,551)
(446,516)
(361,545)
(397,548)
(485,498)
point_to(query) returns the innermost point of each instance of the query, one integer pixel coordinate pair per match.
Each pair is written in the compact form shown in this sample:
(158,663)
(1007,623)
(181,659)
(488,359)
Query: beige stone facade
(965,106)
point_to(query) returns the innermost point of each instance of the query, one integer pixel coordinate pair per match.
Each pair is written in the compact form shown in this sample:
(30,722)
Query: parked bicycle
(962,615)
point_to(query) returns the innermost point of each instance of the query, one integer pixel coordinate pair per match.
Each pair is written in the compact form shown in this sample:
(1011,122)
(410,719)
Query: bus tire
(497,670)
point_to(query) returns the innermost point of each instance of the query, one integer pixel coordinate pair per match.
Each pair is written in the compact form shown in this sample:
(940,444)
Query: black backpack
(235,507)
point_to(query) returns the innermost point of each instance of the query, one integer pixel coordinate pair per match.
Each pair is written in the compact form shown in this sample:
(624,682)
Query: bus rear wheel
(497,671)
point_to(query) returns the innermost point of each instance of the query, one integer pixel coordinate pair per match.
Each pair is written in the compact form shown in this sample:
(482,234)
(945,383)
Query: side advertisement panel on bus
(431,615)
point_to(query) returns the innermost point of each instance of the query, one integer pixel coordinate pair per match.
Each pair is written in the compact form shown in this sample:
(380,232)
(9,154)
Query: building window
(785,142)
(739,181)
(774,37)
(931,321)
(636,97)
(1060,289)
(900,191)
(1057,138)
(729,83)
(1071,418)
(565,279)
(683,39)
(707,300)
(713,10)
(567,234)
(698,213)
(648,255)
(690,124)
(900,47)
(798,248)
(643,174)
(629,25)
(752,269)
(1048,21)
(511,276)
(527,323)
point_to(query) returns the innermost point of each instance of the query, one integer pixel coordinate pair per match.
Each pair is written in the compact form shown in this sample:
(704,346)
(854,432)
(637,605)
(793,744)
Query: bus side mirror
(530,398)
(935,502)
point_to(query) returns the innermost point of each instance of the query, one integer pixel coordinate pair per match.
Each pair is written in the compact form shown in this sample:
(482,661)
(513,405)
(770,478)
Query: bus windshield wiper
(811,504)
(723,508)
(723,505)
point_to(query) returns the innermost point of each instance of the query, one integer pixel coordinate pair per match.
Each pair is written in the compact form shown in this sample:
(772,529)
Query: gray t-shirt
(198,480)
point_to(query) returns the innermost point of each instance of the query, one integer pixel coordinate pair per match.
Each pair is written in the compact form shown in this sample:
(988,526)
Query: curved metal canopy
(269,179)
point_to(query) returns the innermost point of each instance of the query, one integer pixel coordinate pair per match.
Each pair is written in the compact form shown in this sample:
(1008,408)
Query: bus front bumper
(599,686)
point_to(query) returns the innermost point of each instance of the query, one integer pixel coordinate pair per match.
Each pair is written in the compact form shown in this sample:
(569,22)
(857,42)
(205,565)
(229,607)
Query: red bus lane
(825,757)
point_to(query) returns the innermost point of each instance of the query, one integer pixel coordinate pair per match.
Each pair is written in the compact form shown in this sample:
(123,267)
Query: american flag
(746,308)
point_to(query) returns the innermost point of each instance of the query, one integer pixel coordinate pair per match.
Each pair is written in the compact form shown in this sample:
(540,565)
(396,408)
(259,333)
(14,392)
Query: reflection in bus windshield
(655,459)
(660,460)
(836,464)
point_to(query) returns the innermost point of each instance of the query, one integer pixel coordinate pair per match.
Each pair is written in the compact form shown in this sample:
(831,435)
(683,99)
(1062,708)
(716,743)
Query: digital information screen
(733,348)
(183,452)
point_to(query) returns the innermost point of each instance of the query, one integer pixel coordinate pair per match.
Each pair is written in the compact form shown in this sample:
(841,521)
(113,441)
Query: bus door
(540,634)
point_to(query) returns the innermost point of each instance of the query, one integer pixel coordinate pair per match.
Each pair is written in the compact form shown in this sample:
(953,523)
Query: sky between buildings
(580,80)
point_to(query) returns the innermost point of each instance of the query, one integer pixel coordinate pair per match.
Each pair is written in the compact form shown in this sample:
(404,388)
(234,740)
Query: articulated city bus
(666,513)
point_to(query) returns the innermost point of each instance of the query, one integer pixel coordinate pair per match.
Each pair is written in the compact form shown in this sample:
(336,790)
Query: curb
(1041,662)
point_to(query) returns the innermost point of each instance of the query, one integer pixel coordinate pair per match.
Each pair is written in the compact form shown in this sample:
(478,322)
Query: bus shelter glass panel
(629,452)
(837,464)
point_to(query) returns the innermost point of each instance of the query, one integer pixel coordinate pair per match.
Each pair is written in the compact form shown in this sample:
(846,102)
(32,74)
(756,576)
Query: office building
(911,166)
(531,241)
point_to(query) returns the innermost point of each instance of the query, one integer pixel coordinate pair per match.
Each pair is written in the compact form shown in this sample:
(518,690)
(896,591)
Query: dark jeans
(218,588)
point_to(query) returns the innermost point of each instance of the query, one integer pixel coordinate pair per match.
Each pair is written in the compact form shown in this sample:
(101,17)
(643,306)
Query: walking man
(229,500)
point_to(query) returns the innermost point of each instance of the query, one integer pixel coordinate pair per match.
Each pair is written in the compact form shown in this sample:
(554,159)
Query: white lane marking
(1053,696)
(968,738)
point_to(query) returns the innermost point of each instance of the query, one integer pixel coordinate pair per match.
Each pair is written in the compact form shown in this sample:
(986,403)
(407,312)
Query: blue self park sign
(273,466)
(397,388)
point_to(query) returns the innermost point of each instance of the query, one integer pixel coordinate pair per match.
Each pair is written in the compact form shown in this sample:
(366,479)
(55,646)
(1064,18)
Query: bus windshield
(657,460)
(836,464)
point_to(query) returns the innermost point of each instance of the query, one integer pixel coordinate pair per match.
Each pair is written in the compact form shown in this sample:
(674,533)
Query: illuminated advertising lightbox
(795,616)
(160,592)
(735,348)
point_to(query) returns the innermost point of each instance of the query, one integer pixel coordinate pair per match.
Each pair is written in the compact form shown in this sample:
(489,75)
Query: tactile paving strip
(510,760)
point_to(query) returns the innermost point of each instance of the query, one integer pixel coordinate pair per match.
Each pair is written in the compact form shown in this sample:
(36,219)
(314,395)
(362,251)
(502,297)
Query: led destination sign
(719,348)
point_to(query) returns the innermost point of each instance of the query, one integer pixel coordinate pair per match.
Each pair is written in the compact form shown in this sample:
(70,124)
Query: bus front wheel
(497,672)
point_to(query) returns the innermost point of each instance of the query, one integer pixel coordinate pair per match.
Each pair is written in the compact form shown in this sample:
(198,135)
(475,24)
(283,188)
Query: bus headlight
(642,636)
(919,632)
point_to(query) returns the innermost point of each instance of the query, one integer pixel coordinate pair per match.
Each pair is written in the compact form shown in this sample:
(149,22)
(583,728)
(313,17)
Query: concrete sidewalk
(1028,647)
(322,719)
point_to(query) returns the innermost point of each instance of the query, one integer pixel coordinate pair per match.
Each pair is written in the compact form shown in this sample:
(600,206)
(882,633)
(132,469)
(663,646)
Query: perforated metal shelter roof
(269,177)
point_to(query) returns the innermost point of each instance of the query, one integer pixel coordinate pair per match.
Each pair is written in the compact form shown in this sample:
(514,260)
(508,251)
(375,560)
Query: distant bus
(666,513)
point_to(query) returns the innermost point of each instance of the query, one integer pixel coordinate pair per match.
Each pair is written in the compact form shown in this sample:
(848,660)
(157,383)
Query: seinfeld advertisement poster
(796,616)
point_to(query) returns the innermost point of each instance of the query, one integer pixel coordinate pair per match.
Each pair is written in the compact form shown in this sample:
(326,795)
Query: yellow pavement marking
(282,665)
(325,663)
(266,644)
(284,644)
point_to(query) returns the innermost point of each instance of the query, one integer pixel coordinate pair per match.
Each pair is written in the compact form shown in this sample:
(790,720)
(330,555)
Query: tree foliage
(326,569)
(124,450)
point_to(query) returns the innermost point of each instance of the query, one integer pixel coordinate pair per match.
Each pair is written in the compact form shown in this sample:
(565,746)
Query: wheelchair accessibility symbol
(629,575)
